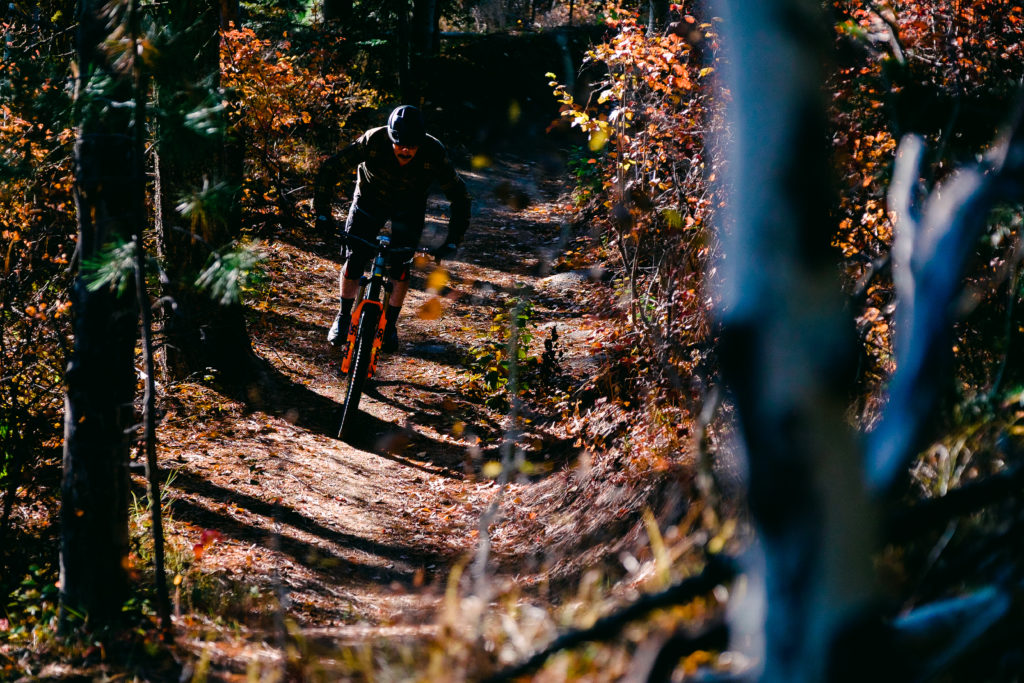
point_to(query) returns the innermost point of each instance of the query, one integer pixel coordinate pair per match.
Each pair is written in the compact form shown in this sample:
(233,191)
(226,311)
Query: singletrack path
(356,540)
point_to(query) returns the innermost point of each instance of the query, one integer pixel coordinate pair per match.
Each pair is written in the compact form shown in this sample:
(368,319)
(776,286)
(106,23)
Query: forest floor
(348,543)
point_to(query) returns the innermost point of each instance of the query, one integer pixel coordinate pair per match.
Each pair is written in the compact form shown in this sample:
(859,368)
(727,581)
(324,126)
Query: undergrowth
(504,364)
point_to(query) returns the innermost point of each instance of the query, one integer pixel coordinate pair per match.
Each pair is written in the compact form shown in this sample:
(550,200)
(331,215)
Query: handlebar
(383,245)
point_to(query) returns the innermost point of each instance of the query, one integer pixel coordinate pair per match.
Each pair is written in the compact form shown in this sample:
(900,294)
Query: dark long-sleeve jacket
(380,178)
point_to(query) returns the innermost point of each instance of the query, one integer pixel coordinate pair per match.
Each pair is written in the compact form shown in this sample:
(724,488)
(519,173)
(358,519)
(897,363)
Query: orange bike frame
(378,338)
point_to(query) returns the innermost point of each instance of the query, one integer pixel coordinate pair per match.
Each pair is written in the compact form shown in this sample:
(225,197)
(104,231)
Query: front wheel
(360,367)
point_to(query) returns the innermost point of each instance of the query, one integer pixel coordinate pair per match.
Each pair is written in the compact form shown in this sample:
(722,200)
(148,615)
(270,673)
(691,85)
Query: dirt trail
(356,538)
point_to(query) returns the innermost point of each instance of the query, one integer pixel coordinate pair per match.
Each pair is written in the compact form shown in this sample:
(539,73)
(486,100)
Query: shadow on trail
(436,351)
(427,412)
(318,558)
(275,320)
(390,441)
(303,552)
(281,397)
(325,244)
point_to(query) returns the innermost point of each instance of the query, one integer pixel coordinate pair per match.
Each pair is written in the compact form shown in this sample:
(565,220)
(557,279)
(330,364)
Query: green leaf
(228,272)
(113,267)
(207,207)
(207,121)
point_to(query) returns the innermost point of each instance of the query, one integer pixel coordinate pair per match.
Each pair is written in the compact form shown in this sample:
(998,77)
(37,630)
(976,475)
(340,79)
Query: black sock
(392,315)
(346,306)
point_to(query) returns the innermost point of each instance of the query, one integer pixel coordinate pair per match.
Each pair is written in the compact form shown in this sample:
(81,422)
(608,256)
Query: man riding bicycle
(397,165)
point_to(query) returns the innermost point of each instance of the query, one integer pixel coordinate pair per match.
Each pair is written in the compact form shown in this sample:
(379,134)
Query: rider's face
(404,154)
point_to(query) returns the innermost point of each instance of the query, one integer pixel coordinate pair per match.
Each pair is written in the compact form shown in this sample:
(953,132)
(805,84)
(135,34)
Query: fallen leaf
(431,310)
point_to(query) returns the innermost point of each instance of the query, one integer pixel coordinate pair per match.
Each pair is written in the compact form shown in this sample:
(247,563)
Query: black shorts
(366,218)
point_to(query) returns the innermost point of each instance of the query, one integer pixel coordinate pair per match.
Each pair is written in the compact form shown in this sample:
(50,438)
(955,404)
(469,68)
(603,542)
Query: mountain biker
(397,166)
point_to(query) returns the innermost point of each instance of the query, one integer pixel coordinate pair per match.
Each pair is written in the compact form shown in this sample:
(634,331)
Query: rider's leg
(349,289)
(349,286)
(366,225)
(400,289)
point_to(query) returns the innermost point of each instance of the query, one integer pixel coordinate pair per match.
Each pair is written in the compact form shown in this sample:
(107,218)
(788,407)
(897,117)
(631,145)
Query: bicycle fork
(378,337)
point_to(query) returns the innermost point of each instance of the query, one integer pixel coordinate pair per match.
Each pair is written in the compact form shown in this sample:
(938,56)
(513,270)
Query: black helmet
(406,127)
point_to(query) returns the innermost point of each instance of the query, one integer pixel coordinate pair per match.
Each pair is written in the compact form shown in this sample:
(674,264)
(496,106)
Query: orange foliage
(920,66)
(655,194)
(281,96)
(37,229)
(647,174)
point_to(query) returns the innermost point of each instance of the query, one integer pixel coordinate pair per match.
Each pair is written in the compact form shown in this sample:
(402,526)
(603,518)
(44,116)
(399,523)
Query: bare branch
(931,276)
(936,635)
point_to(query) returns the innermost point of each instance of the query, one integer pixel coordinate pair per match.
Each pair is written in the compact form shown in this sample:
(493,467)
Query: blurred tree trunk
(424,44)
(198,167)
(435,39)
(337,10)
(657,15)
(101,373)
(406,75)
(787,351)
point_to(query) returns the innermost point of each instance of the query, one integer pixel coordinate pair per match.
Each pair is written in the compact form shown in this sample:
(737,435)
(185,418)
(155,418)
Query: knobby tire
(367,330)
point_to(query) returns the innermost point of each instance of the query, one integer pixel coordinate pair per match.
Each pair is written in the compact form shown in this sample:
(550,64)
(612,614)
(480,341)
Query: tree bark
(200,333)
(101,372)
(229,14)
(657,15)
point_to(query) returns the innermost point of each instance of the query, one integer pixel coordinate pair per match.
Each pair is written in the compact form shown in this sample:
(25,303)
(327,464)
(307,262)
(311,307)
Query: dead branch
(967,499)
(718,571)
(679,645)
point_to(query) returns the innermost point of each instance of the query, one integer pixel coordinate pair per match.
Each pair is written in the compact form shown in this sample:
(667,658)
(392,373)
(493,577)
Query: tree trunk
(435,37)
(202,169)
(406,76)
(657,15)
(787,351)
(101,372)
(229,14)
(423,45)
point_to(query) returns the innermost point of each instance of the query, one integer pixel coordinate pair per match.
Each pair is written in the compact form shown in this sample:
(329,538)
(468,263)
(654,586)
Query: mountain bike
(366,331)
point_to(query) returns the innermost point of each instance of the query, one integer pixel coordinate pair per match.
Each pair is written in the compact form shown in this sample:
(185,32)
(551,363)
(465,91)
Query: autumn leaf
(206,539)
(437,280)
(598,139)
(431,310)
